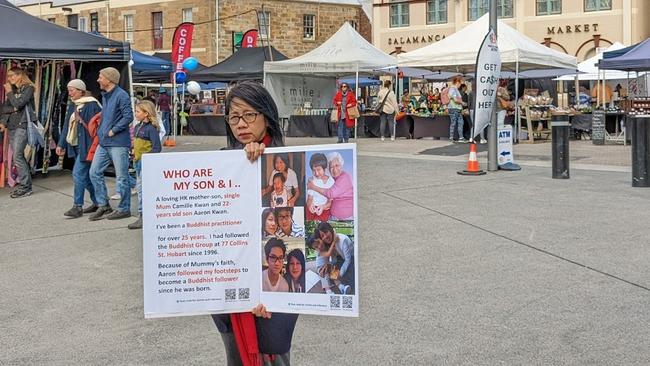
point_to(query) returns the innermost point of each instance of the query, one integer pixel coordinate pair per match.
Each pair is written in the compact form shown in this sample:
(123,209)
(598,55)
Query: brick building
(294,27)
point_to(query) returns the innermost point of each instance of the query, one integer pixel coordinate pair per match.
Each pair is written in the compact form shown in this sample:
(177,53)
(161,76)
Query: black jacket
(13,116)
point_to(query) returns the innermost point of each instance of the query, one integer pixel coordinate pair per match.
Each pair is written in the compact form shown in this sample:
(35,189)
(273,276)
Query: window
(83,24)
(479,7)
(128,28)
(94,22)
(73,21)
(399,14)
(354,24)
(51,20)
(308,22)
(264,21)
(598,5)
(157,25)
(436,11)
(187,15)
(548,7)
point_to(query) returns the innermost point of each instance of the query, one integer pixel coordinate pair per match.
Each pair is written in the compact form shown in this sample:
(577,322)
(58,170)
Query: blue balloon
(180,77)
(190,63)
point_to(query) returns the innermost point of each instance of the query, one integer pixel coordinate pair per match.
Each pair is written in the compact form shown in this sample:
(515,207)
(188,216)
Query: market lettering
(576,28)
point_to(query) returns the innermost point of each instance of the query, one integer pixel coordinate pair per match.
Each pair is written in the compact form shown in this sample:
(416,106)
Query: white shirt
(280,286)
(317,198)
(292,179)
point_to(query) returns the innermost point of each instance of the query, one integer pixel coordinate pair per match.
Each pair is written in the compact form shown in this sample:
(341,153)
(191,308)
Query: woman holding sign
(252,117)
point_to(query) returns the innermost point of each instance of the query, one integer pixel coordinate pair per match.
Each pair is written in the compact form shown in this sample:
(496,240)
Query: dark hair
(324,226)
(265,215)
(284,157)
(345,84)
(278,209)
(273,243)
(318,159)
(310,241)
(387,83)
(281,176)
(259,98)
(463,86)
(296,253)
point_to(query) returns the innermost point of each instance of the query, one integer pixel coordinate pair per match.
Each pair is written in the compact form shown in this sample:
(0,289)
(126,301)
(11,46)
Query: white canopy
(458,51)
(344,53)
(590,69)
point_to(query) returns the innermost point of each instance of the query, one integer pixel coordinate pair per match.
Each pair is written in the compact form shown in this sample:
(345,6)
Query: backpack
(92,126)
(444,96)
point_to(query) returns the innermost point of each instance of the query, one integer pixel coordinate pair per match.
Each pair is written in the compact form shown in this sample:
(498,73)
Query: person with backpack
(76,140)
(454,103)
(387,108)
(114,146)
(19,106)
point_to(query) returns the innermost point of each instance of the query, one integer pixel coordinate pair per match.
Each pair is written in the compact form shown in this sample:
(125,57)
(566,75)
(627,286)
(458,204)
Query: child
(318,206)
(146,141)
(281,195)
(324,266)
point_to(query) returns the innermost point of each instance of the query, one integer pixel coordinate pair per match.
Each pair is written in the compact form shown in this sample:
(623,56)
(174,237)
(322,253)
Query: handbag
(353,112)
(379,108)
(334,116)
(35,131)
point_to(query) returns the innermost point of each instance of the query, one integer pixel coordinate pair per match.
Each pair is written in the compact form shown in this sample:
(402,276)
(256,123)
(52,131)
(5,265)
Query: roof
(40,39)
(637,59)
(590,70)
(458,51)
(245,64)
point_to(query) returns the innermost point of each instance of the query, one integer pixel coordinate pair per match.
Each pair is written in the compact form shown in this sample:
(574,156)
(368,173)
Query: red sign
(182,44)
(250,39)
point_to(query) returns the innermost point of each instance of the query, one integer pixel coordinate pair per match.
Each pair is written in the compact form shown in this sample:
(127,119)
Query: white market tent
(311,78)
(457,53)
(590,71)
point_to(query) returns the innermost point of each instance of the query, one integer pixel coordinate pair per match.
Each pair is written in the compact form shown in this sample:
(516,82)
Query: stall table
(209,125)
(368,125)
(433,126)
(310,126)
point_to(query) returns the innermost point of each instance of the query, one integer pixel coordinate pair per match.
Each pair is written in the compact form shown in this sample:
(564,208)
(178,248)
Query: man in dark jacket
(114,146)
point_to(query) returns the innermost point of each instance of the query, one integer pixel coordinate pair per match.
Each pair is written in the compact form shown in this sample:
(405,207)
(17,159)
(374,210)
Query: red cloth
(266,140)
(350,101)
(243,328)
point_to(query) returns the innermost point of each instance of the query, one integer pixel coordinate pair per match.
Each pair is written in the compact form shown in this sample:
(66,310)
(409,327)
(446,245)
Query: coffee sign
(575,28)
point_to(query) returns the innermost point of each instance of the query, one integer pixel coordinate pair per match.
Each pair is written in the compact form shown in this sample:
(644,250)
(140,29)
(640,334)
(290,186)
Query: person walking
(164,105)
(19,106)
(389,107)
(114,146)
(455,108)
(76,141)
(146,140)
(343,100)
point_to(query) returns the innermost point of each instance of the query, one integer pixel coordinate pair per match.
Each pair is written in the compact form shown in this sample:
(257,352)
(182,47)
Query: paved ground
(507,268)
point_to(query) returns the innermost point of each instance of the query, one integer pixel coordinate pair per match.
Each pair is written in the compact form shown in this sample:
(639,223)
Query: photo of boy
(280,196)
(318,206)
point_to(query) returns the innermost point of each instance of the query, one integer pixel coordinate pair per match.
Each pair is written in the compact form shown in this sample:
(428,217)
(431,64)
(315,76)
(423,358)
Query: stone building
(294,27)
(576,27)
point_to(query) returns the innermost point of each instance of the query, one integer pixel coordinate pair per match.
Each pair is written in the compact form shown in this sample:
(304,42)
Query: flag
(488,69)
(182,44)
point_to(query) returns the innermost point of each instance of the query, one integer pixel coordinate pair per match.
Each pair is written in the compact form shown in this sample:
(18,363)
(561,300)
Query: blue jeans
(456,122)
(342,131)
(120,157)
(138,185)
(18,142)
(166,122)
(81,180)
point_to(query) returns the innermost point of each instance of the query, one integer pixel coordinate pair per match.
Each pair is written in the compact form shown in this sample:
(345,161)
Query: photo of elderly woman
(340,195)
(318,206)
(283,180)
(295,271)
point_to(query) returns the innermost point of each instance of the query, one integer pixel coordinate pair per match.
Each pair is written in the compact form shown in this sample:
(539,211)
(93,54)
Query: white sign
(213,243)
(293,91)
(505,145)
(488,69)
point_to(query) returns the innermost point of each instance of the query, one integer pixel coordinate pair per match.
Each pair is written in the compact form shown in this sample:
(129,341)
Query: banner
(222,235)
(488,69)
(182,44)
(291,92)
(249,40)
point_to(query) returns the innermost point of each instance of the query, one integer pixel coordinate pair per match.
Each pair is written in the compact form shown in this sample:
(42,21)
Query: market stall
(458,52)
(309,81)
(41,47)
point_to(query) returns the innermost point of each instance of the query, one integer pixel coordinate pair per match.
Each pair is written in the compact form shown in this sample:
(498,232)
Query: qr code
(244,293)
(335,302)
(231,294)
(347,302)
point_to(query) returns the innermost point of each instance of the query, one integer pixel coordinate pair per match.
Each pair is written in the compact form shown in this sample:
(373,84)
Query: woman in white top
(281,165)
(388,110)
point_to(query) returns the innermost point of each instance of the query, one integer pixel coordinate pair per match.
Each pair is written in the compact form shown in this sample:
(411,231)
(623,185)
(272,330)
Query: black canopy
(23,36)
(245,64)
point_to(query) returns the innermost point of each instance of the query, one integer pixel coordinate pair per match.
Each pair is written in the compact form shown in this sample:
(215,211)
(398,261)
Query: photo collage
(308,222)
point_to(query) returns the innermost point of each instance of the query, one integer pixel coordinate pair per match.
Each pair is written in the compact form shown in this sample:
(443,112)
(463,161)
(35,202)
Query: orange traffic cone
(169,143)
(472,164)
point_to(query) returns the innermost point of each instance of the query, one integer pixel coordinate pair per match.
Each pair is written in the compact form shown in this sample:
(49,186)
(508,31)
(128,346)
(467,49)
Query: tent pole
(517,124)
(576,88)
(131,95)
(357,92)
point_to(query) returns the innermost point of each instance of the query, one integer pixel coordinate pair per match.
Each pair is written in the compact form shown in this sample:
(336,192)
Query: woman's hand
(310,183)
(7,87)
(254,150)
(59,151)
(260,312)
